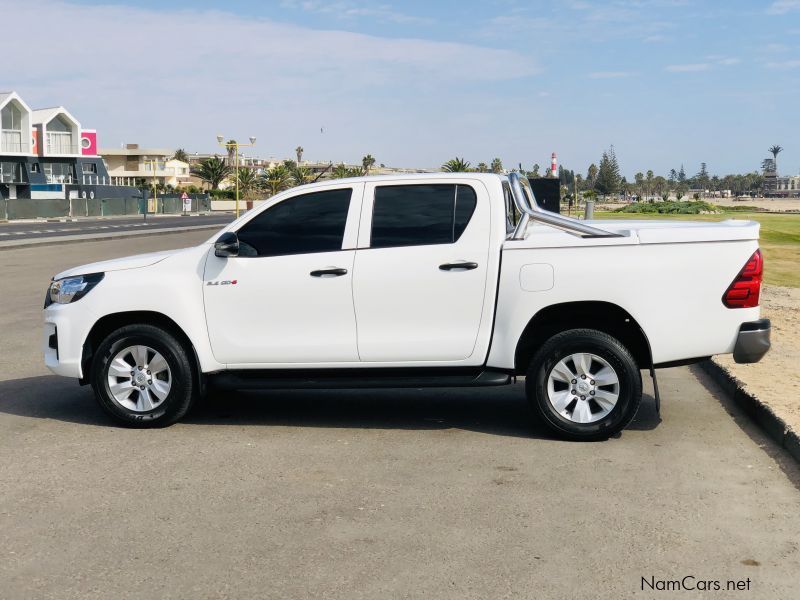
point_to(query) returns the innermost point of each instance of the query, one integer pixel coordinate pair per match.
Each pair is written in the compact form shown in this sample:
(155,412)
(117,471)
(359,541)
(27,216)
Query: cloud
(688,68)
(179,77)
(610,74)
(781,7)
(785,65)
(345,9)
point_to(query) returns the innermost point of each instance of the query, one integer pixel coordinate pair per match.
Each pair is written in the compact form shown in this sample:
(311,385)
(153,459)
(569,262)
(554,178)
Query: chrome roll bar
(529,210)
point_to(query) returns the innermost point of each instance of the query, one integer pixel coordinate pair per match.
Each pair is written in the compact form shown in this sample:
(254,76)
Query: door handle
(329,272)
(458,266)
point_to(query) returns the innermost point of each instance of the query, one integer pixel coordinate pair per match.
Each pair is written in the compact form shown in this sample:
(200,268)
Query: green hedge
(693,207)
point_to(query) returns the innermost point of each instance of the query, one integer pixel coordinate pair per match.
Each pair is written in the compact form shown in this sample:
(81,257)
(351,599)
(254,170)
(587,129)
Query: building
(46,154)
(137,166)
(788,185)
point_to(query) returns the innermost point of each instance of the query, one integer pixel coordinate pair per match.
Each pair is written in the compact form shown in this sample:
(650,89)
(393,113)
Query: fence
(26,208)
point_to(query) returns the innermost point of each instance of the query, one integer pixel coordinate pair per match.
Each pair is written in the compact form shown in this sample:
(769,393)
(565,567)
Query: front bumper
(752,343)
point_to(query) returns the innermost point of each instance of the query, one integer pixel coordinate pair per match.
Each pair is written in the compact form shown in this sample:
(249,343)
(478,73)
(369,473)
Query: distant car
(414,280)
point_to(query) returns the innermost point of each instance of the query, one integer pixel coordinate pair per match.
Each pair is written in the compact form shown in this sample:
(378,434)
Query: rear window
(420,215)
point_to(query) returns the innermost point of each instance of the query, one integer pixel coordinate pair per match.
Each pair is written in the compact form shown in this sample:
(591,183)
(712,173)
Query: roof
(135,152)
(412,177)
(6,97)
(45,115)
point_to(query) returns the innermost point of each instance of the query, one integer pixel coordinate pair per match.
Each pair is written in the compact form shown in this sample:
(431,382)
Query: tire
(169,382)
(562,391)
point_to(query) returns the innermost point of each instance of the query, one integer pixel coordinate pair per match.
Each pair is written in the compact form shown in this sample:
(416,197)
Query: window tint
(300,225)
(417,215)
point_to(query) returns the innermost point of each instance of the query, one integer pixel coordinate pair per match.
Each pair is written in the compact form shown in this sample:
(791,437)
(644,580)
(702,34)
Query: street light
(235,145)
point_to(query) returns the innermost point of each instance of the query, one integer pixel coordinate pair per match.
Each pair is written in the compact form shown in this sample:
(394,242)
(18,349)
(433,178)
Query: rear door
(420,271)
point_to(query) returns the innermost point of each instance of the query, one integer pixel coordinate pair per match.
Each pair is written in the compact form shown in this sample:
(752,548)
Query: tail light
(746,288)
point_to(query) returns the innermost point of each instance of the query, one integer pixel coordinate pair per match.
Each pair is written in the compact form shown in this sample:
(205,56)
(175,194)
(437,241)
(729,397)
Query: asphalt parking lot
(441,493)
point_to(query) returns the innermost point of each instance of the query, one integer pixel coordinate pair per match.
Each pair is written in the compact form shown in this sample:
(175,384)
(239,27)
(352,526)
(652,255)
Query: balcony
(60,143)
(11,140)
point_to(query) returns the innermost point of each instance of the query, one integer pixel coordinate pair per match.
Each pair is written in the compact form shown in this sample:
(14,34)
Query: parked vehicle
(414,280)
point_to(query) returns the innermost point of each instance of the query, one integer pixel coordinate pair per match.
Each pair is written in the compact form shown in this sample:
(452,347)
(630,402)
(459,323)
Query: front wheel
(584,384)
(143,376)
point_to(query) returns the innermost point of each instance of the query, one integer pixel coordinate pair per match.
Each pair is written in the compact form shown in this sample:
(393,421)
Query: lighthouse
(554,165)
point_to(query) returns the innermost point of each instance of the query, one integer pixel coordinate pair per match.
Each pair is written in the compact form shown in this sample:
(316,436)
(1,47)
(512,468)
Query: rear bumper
(752,343)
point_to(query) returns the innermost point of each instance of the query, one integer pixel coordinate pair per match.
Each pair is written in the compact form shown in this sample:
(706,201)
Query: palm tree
(535,172)
(212,170)
(340,171)
(301,175)
(277,179)
(299,152)
(180,154)
(367,161)
(775,150)
(497,165)
(231,146)
(456,165)
(483,167)
(248,181)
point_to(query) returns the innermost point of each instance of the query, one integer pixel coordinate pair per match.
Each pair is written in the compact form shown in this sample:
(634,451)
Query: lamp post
(154,164)
(235,145)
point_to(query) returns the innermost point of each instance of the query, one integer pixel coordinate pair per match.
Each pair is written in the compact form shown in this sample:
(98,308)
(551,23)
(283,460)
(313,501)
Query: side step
(355,378)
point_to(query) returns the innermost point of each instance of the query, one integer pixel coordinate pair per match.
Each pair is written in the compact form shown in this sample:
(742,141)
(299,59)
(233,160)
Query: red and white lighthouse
(554,165)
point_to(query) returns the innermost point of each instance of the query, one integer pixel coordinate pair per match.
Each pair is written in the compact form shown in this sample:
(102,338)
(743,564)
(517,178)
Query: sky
(415,83)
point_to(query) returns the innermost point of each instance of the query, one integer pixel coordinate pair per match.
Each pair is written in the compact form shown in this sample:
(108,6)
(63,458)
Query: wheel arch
(607,317)
(111,322)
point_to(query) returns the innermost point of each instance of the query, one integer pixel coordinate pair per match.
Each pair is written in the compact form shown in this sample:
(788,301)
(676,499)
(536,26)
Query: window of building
(301,225)
(89,168)
(10,172)
(11,118)
(420,215)
(35,168)
(58,172)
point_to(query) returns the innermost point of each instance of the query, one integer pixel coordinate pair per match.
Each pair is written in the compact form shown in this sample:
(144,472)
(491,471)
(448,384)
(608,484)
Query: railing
(526,204)
(12,141)
(61,143)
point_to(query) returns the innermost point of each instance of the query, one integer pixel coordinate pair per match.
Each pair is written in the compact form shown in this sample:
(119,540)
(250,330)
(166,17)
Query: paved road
(46,229)
(365,494)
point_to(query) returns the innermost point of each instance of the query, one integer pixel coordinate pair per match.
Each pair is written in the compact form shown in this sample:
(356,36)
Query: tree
(535,171)
(638,179)
(340,171)
(213,171)
(232,151)
(249,181)
(483,167)
(702,179)
(497,165)
(608,178)
(299,152)
(301,175)
(775,150)
(591,175)
(367,162)
(673,175)
(180,154)
(681,175)
(456,165)
(277,179)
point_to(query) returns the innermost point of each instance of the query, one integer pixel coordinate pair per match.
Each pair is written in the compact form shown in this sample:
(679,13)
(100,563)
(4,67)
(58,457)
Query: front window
(301,225)
(420,215)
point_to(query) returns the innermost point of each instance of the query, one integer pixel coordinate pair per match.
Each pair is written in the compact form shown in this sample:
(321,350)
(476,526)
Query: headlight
(71,289)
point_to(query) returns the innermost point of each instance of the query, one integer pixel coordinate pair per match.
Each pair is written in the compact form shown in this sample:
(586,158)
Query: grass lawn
(780,239)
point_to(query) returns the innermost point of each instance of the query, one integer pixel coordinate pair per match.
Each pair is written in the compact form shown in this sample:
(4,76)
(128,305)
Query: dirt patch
(776,380)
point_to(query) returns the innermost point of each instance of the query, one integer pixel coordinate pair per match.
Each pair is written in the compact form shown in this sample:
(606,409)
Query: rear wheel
(143,376)
(584,384)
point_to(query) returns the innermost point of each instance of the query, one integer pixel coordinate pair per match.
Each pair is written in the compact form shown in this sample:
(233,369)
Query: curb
(775,427)
(100,237)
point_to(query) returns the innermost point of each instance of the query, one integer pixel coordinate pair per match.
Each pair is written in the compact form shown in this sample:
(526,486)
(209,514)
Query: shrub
(670,207)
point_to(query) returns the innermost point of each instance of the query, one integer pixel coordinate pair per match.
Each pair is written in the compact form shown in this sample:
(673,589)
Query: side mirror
(227,245)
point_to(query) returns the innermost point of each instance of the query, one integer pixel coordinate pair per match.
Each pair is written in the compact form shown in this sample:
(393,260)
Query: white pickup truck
(421,280)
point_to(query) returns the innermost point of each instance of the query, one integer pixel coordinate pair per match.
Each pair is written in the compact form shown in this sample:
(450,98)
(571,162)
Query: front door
(287,298)
(420,272)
